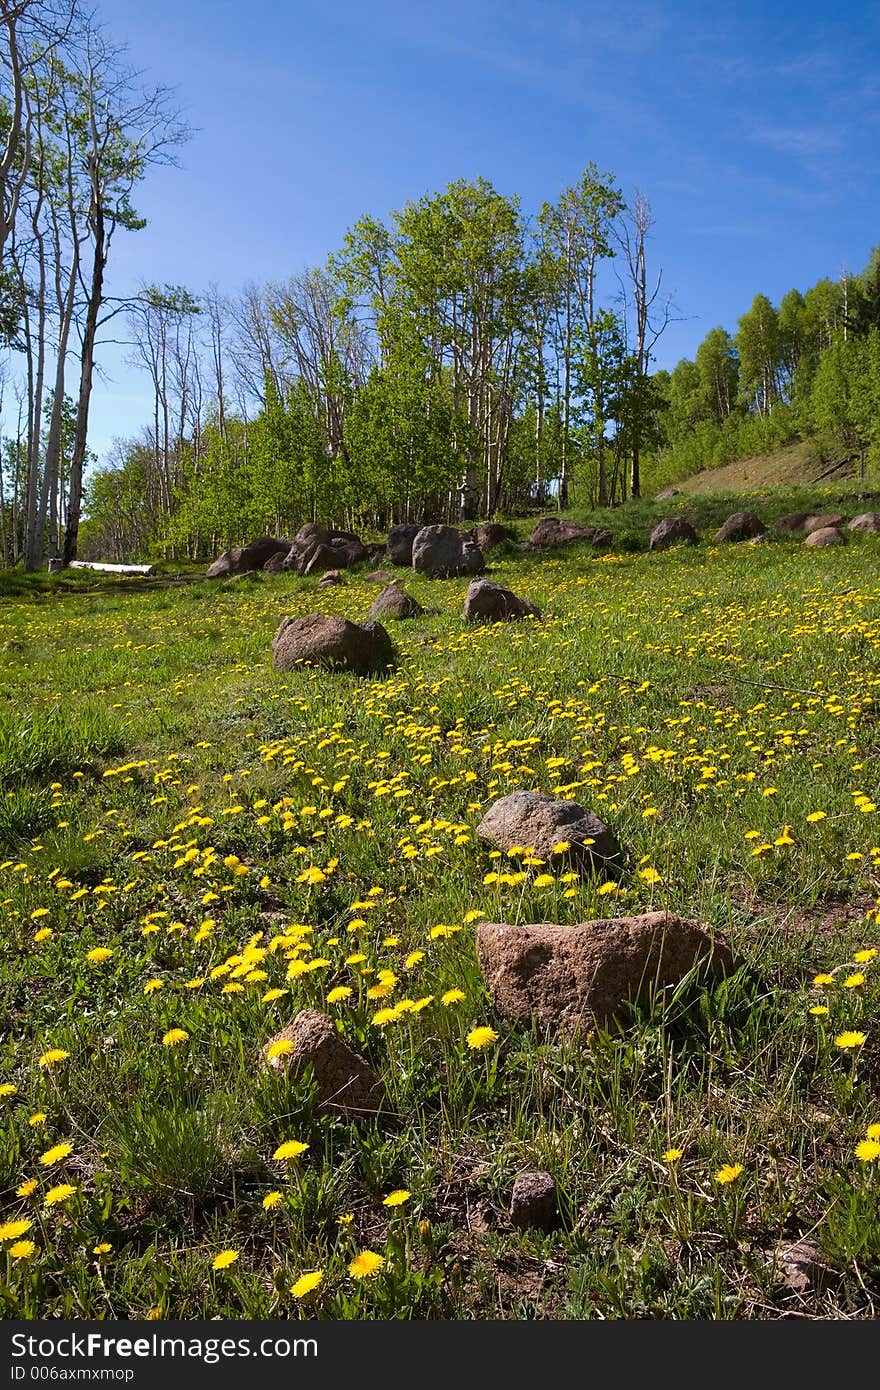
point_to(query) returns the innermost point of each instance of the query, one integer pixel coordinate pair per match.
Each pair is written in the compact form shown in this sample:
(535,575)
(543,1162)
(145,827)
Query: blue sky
(754,130)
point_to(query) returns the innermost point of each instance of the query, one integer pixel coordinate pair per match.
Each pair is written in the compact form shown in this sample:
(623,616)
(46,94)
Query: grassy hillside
(798,463)
(194,842)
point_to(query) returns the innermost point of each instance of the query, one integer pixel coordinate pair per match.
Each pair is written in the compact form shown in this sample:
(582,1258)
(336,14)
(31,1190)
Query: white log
(114,569)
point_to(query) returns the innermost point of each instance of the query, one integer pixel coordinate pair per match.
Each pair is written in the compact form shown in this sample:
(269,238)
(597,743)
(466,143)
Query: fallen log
(100,565)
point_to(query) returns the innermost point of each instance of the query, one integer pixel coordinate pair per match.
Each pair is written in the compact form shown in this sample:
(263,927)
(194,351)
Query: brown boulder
(533,1202)
(540,822)
(825,535)
(226,565)
(489,533)
(741,526)
(344,1082)
(488,602)
(551,531)
(275,563)
(331,577)
(379,577)
(865,522)
(320,640)
(311,534)
(400,543)
(321,558)
(349,550)
(395,602)
(793,521)
(571,979)
(825,522)
(256,553)
(672,530)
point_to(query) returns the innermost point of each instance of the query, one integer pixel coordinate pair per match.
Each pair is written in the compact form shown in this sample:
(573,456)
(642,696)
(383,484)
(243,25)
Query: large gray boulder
(741,526)
(400,543)
(395,602)
(672,530)
(442,552)
(321,640)
(570,979)
(488,602)
(345,1083)
(535,820)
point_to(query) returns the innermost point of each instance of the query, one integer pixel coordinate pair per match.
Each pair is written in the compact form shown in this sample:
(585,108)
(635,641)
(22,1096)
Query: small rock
(331,577)
(488,602)
(569,979)
(490,533)
(825,535)
(741,526)
(672,530)
(379,577)
(345,1083)
(275,563)
(533,819)
(533,1202)
(799,1266)
(321,640)
(793,521)
(395,602)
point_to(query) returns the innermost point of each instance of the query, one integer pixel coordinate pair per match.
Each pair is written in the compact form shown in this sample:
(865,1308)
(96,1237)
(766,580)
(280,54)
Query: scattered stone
(400,543)
(865,522)
(349,550)
(490,533)
(672,530)
(395,602)
(571,979)
(330,578)
(442,552)
(226,565)
(793,521)
(275,563)
(825,535)
(322,557)
(312,534)
(321,640)
(541,822)
(345,1083)
(551,531)
(741,526)
(799,1266)
(533,1202)
(488,602)
(379,577)
(824,522)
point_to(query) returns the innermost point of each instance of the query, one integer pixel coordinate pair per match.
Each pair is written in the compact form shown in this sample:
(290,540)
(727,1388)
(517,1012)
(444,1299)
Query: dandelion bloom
(38,1118)
(850,1039)
(291,1148)
(481,1037)
(58,1194)
(672,1155)
(397,1198)
(55,1054)
(27,1188)
(729,1172)
(8,1089)
(271,1200)
(282,1048)
(867,1150)
(307,1282)
(103,1249)
(365,1264)
(339,993)
(819,1010)
(823,979)
(99,955)
(225,1259)
(862,957)
(853,981)
(55,1154)
(174,1036)
(815,816)
(11,1230)
(873,1131)
(152,985)
(453,996)
(21,1249)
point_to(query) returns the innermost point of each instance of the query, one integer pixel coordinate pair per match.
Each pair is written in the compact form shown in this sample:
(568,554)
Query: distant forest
(459,359)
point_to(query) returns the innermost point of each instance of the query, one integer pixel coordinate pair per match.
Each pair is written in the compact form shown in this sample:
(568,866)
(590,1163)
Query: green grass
(157,774)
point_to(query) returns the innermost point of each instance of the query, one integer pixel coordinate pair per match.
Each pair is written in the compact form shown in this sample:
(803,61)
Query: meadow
(193,847)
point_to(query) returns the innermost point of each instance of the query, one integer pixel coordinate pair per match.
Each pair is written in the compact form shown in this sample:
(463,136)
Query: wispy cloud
(800,142)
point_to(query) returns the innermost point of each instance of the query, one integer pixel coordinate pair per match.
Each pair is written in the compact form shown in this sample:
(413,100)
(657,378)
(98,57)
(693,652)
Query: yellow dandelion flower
(850,1039)
(819,1010)
(307,1283)
(672,1155)
(824,979)
(27,1188)
(365,1264)
(224,1259)
(873,1132)
(99,955)
(58,1194)
(8,1089)
(453,996)
(174,1036)
(339,993)
(271,1200)
(729,1172)
(55,1154)
(282,1048)
(291,1148)
(152,985)
(853,981)
(103,1249)
(816,816)
(867,1150)
(396,1198)
(11,1230)
(481,1037)
(53,1056)
(21,1249)
(863,957)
